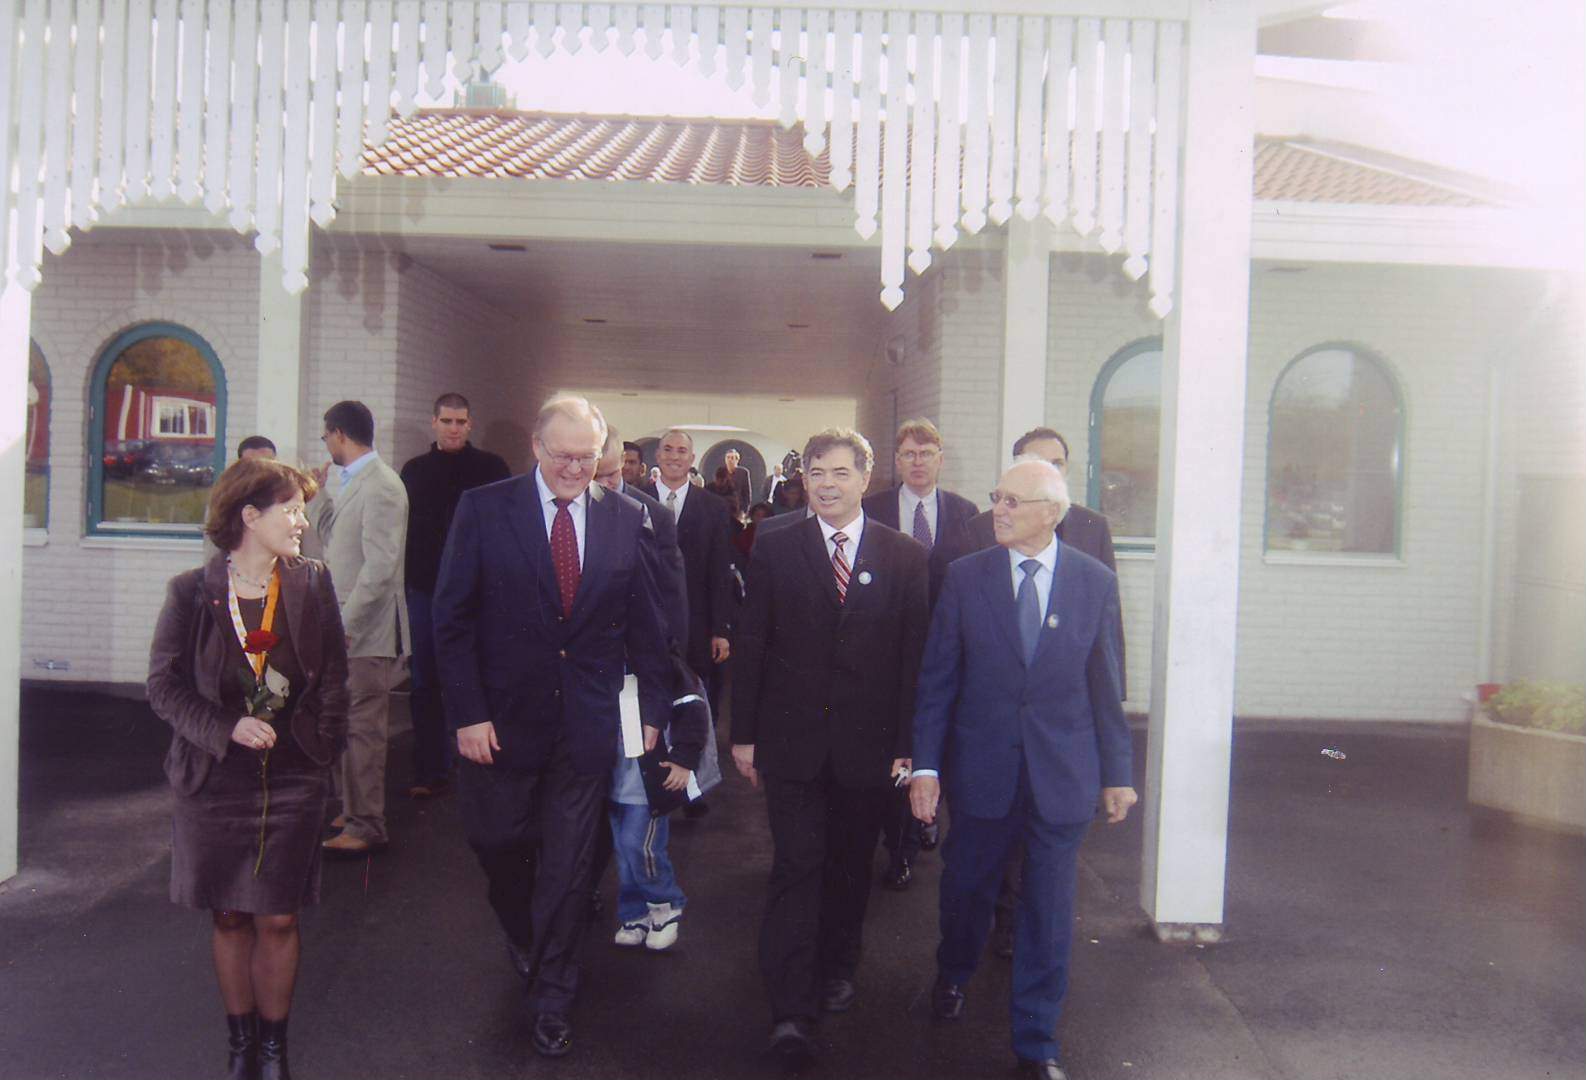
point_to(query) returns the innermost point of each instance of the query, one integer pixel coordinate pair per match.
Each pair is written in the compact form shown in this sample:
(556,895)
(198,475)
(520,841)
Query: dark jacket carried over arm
(188,660)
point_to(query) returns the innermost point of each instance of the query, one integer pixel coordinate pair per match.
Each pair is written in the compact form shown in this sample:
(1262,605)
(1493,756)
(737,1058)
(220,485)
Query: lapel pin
(1051,622)
(864,577)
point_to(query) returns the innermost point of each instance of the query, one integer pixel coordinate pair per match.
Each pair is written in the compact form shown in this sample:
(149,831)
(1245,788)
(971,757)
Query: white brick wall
(95,606)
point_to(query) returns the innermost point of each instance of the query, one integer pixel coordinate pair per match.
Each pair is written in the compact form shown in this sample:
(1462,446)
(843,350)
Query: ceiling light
(507,247)
(595,322)
(798,326)
(826,256)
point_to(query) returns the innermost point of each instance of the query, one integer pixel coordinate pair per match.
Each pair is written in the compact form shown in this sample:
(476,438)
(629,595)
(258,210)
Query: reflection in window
(36,490)
(1125,426)
(1333,455)
(157,431)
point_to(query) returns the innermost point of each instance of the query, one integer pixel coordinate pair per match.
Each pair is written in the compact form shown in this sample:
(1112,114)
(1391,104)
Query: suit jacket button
(562,653)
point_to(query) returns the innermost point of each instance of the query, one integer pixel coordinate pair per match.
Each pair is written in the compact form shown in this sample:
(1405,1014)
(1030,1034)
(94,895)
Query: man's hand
(652,736)
(924,793)
(476,741)
(720,649)
(743,757)
(1116,802)
(320,473)
(900,765)
(676,776)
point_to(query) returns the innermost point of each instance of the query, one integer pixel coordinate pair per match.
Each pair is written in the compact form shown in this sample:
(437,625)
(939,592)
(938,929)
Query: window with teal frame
(1335,455)
(1125,435)
(156,433)
(36,443)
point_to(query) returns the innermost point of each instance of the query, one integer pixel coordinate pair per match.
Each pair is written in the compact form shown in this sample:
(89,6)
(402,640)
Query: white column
(280,389)
(16,305)
(1197,558)
(1025,286)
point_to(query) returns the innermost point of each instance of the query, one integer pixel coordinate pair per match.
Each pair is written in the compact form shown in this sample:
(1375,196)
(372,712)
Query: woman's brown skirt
(215,835)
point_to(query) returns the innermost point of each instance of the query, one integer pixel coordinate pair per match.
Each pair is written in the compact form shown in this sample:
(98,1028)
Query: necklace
(245,579)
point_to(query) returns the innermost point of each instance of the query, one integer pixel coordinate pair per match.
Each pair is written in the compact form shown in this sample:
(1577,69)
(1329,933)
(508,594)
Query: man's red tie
(840,565)
(564,555)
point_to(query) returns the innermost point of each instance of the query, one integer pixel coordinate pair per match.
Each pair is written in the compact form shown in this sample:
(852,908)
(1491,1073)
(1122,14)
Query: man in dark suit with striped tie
(547,594)
(824,670)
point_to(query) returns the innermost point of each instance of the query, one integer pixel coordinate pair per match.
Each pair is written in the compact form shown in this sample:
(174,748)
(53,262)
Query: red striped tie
(840,565)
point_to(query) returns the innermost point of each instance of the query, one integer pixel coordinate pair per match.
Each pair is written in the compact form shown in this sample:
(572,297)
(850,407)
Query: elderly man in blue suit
(1019,717)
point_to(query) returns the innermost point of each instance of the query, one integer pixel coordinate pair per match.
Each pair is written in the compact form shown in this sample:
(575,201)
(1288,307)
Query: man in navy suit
(1019,717)
(547,595)
(936,518)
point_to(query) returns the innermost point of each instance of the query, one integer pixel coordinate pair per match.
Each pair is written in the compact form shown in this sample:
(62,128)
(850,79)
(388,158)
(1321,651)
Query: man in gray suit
(362,524)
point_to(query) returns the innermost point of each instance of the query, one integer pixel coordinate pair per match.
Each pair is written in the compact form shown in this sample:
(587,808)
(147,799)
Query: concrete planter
(1539,776)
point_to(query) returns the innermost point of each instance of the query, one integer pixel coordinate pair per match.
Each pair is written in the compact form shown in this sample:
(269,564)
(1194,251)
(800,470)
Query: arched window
(1334,455)
(36,492)
(157,432)
(1125,426)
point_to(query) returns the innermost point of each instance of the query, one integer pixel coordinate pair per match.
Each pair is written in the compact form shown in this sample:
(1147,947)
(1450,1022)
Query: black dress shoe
(1041,1070)
(1002,941)
(553,1035)
(837,995)
(947,1001)
(790,1041)
(897,877)
(930,836)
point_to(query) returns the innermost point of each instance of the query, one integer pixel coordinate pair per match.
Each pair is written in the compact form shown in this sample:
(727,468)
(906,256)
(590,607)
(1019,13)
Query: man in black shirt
(435,481)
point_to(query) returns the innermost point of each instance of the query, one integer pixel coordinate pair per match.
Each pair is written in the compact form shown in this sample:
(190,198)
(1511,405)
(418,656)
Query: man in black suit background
(547,594)
(612,474)
(634,474)
(704,535)
(826,659)
(1084,530)
(740,481)
(936,518)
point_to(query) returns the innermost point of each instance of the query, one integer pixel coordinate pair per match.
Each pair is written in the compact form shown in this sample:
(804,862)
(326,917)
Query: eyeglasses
(567,461)
(922,456)
(1013,502)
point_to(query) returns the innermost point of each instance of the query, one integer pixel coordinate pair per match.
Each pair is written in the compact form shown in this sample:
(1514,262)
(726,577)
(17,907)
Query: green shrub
(1549,706)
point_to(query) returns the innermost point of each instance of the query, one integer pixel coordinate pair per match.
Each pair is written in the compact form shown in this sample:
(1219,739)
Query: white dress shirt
(1043,577)
(907,501)
(853,531)
(576,509)
(662,491)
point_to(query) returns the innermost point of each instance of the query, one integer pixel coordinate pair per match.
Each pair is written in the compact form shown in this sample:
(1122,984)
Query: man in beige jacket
(362,524)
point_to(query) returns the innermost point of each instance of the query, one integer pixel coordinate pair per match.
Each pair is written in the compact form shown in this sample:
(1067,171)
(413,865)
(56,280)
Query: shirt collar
(853,530)
(547,495)
(1047,557)
(353,468)
(909,498)
(662,488)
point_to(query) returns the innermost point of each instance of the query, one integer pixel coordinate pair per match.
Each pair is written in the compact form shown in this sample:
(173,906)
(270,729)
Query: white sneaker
(664,920)
(632,934)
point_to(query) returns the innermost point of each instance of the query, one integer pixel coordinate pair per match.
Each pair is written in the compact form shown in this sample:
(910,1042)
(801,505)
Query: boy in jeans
(649,900)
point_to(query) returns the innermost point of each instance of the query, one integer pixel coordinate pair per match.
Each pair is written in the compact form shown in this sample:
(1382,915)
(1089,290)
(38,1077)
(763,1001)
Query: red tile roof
(761,153)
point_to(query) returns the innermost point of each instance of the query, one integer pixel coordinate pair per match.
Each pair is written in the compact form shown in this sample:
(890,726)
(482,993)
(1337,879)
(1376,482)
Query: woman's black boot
(272,1050)
(242,1041)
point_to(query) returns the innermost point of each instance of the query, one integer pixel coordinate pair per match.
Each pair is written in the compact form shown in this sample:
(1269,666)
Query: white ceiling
(673,314)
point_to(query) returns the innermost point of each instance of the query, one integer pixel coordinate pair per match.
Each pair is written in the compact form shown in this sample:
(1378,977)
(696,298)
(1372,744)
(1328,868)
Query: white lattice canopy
(939,121)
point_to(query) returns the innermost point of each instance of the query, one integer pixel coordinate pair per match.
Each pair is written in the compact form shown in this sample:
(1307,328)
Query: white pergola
(1123,126)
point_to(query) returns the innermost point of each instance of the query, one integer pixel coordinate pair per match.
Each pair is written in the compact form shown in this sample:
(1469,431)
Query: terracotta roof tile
(760,153)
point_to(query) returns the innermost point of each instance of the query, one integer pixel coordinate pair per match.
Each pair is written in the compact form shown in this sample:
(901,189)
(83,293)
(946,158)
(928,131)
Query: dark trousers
(432,742)
(900,830)
(973,856)
(823,840)
(534,833)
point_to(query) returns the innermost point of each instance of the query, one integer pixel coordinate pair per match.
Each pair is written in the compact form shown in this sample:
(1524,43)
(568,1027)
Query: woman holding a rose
(249,667)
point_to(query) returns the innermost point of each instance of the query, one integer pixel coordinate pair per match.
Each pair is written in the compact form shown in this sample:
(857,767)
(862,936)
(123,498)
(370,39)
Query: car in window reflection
(121,458)
(184,464)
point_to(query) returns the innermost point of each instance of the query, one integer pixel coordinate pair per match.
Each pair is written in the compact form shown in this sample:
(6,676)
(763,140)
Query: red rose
(260,641)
